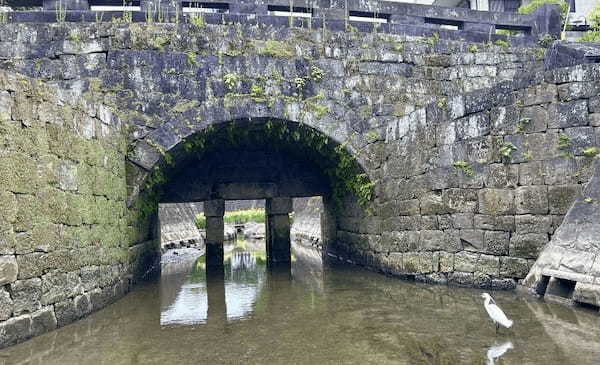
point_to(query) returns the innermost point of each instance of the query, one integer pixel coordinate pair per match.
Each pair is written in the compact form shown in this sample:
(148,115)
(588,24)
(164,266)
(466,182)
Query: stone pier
(278,230)
(214,211)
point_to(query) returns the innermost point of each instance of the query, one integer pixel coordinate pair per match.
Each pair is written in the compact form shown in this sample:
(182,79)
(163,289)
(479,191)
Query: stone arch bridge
(440,157)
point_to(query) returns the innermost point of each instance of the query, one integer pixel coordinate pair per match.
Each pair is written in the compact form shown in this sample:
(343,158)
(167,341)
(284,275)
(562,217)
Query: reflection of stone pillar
(215,293)
(215,232)
(278,230)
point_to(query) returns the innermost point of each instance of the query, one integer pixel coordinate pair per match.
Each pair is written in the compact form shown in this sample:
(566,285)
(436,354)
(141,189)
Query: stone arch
(308,162)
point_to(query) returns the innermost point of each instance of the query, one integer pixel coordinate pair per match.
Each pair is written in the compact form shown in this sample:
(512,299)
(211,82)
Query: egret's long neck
(487,301)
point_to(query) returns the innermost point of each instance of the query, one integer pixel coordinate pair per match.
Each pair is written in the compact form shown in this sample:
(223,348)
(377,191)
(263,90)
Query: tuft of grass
(235,217)
(465,167)
(563,141)
(590,151)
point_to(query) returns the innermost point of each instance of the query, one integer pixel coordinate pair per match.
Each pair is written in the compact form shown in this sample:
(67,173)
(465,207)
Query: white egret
(495,313)
(494,352)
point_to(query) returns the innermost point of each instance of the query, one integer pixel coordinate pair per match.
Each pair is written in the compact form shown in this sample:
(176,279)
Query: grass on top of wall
(236,217)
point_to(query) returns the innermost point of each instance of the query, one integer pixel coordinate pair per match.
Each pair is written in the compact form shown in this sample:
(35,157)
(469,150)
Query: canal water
(310,314)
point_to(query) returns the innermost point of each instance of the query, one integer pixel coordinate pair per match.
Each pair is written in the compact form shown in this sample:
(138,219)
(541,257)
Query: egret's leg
(497,327)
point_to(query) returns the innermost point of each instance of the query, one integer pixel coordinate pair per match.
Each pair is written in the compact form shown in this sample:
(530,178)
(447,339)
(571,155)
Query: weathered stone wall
(472,189)
(178,224)
(447,205)
(306,227)
(63,229)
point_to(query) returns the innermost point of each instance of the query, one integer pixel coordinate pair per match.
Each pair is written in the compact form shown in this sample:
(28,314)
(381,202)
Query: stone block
(527,245)
(533,119)
(561,197)
(531,173)
(496,201)
(43,321)
(570,114)
(26,295)
(533,224)
(501,176)
(280,205)
(587,293)
(488,264)
(8,207)
(531,200)
(577,90)
(432,204)
(495,223)
(15,330)
(514,267)
(539,94)
(481,280)
(496,242)
(461,278)
(465,262)
(579,139)
(58,286)
(460,200)
(471,239)
(9,269)
(446,262)
(6,305)
(594,104)
(462,220)
(65,312)
(433,240)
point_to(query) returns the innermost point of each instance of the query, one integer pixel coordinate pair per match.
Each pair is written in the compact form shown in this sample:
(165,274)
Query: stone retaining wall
(63,227)
(472,189)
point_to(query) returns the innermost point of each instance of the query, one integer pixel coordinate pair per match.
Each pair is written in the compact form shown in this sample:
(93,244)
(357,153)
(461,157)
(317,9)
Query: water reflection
(496,351)
(228,293)
(311,314)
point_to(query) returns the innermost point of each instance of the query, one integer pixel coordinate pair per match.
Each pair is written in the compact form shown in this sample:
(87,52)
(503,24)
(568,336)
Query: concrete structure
(438,159)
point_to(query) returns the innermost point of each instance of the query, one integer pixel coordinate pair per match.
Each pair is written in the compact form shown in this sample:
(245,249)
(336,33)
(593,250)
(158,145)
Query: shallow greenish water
(311,314)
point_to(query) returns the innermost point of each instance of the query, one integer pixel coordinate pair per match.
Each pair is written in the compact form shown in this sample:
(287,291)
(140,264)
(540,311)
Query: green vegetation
(534,4)
(235,217)
(275,48)
(231,80)
(316,73)
(433,39)
(589,200)
(159,42)
(590,151)
(563,141)
(593,35)
(257,93)
(507,149)
(197,21)
(473,48)
(502,43)
(191,59)
(465,167)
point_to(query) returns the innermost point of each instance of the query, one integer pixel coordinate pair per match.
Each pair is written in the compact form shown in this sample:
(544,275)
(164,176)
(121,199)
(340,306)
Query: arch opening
(272,159)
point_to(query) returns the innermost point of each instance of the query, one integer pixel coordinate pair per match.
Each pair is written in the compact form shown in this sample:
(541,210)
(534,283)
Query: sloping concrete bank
(569,266)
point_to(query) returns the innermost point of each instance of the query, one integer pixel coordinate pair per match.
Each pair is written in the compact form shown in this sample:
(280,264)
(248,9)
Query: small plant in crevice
(372,136)
(506,150)
(473,48)
(231,80)
(527,156)
(316,74)
(197,20)
(465,167)
(522,123)
(257,92)
(563,141)
(502,43)
(191,59)
(299,83)
(589,200)
(590,151)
